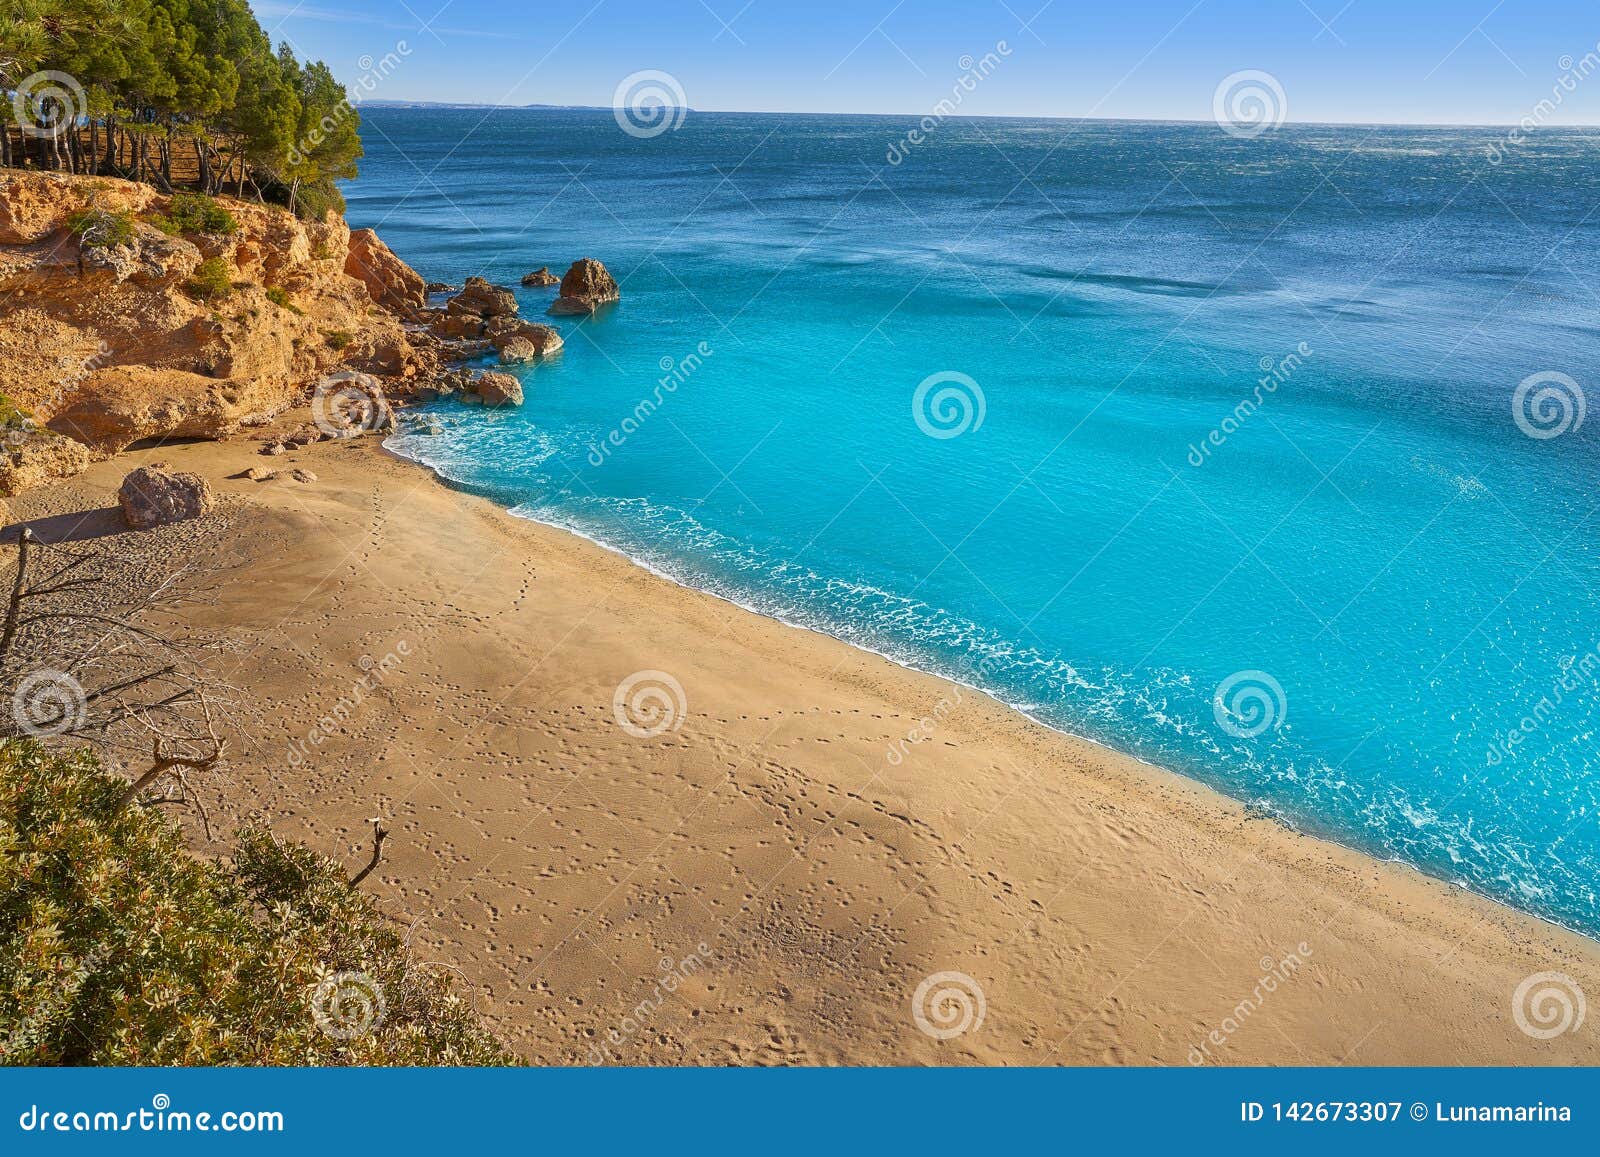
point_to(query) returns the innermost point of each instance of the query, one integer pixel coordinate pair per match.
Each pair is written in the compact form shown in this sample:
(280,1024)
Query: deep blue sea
(1220,462)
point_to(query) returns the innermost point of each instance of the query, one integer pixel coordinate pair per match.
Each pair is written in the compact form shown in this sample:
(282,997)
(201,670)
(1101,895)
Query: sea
(1262,458)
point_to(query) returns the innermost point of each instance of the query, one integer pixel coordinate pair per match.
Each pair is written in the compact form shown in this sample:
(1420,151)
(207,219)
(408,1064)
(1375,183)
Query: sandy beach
(771,878)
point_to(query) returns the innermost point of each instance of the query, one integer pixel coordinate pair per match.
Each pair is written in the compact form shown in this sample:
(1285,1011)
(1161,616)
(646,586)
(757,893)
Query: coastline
(1109,911)
(1025,711)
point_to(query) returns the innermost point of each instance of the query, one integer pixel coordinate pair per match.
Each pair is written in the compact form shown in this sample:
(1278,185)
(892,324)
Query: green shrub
(279,296)
(317,198)
(196,213)
(101,228)
(337,338)
(118,947)
(211,280)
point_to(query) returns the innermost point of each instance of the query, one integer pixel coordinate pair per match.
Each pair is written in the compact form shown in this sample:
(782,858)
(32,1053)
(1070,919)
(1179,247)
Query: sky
(1364,61)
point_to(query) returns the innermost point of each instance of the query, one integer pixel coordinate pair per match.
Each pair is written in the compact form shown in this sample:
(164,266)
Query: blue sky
(1411,61)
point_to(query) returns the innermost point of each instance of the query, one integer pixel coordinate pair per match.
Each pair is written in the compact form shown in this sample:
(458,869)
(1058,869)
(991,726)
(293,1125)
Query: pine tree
(169,81)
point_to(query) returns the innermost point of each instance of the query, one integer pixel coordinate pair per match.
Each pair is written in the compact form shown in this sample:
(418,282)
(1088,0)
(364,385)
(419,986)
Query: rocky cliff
(122,320)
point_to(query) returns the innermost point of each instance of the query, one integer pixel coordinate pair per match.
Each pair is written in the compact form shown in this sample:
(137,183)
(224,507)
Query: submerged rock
(585,287)
(155,496)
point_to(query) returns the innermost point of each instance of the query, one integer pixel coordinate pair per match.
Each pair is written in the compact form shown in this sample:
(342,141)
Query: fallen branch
(379,834)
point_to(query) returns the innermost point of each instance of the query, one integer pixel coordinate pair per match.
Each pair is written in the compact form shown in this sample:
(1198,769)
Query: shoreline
(913,667)
(1109,911)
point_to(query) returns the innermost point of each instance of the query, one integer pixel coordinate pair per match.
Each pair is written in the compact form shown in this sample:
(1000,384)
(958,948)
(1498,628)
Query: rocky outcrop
(480,299)
(106,340)
(496,389)
(155,496)
(540,278)
(33,205)
(585,288)
(391,282)
(483,318)
(502,331)
(38,457)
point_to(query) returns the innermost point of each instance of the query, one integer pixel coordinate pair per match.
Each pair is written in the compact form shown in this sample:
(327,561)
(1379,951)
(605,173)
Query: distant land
(475,104)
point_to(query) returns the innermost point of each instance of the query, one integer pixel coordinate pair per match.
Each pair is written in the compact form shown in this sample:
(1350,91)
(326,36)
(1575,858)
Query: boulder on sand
(585,288)
(540,278)
(155,496)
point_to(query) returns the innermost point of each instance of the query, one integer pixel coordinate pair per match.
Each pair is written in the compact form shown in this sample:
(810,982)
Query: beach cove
(761,883)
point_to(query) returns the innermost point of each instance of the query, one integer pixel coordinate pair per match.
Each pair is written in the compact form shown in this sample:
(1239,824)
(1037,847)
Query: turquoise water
(1385,575)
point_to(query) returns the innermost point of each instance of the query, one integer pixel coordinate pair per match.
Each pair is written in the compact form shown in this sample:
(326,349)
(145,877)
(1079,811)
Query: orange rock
(391,282)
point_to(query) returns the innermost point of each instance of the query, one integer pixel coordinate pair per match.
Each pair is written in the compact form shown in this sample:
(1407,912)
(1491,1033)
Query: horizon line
(540,106)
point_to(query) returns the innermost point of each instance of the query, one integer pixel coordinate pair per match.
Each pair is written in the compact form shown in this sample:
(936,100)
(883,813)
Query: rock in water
(518,349)
(392,283)
(502,331)
(483,300)
(585,288)
(154,496)
(498,389)
(540,277)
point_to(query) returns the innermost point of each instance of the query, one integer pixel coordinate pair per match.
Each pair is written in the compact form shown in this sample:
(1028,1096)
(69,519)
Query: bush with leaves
(210,281)
(101,228)
(118,947)
(197,213)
